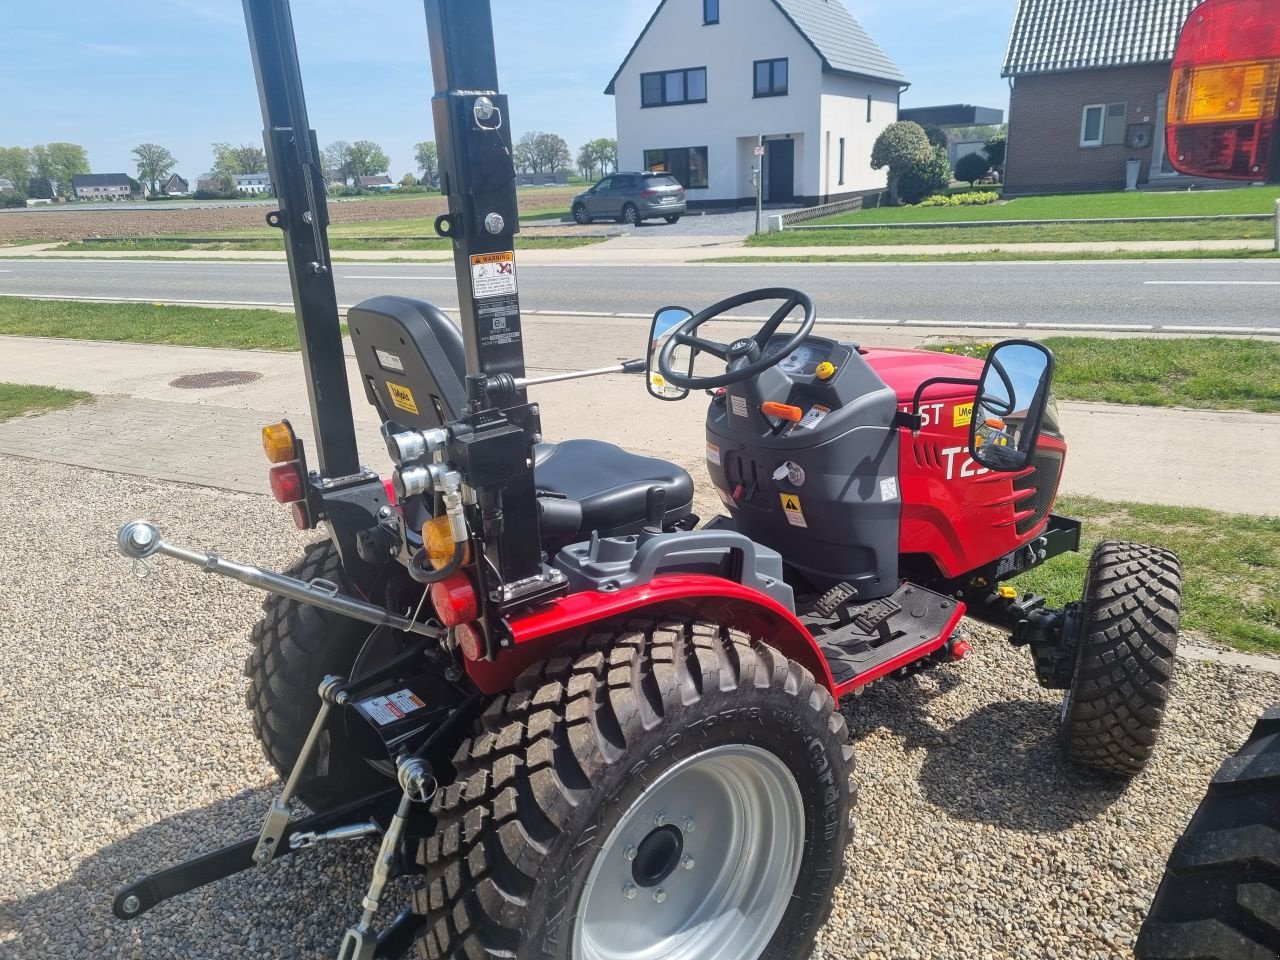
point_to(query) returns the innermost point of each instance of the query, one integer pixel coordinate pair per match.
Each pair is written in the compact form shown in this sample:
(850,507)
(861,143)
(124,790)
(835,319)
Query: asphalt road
(1176,296)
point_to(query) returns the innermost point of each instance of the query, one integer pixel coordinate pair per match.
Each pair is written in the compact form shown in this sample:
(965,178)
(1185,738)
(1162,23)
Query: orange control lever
(782,411)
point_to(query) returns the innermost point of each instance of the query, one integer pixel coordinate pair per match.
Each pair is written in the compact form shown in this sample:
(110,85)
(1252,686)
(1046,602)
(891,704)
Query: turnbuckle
(419,786)
(281,809)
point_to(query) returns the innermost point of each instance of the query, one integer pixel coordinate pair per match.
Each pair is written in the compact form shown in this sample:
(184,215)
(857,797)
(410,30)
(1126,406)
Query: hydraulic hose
(418,565)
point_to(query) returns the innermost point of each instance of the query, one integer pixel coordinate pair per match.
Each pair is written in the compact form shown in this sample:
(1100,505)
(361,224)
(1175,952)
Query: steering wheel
(749,349)
(1001,408)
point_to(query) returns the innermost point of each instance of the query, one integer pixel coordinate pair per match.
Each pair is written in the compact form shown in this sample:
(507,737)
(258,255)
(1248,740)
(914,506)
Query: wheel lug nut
(660,818)
(688,863)
(629,891)
(659,896)
(630,853)
(689,825)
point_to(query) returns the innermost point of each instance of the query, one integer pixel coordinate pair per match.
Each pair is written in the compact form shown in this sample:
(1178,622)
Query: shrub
(902,147)
(926,177)
(972,167)
(12,199)
(976,199)
(995,150)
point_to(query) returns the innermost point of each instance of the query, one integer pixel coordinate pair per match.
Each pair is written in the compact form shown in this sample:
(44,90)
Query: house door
(780,171)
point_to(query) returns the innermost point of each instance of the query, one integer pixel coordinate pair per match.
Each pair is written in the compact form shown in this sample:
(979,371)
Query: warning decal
(493,274)
(817,413)
(738,405)
(791,506)
(402,397)
(713,454)
(392,707)
(963,415)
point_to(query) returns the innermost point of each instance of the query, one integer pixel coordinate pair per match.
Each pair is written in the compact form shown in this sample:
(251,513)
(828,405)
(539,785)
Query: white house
(253,183)
(707,79)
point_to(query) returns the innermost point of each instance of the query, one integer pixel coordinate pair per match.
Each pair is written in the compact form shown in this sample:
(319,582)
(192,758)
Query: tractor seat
(610,484)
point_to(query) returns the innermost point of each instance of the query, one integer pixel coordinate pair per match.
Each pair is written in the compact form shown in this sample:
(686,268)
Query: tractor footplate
(883,631)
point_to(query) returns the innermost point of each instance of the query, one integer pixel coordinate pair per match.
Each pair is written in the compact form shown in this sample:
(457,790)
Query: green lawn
(149,323)
(19,398)
(1202,203)
(1215,373)
(1230,565)
(1043,233)
(994,256)
(401,239)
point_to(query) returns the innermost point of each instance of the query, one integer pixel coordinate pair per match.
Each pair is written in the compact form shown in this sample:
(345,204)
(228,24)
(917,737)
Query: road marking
(1211,283)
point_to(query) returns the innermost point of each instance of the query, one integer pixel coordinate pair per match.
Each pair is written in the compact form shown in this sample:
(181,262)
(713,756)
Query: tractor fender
(538,632)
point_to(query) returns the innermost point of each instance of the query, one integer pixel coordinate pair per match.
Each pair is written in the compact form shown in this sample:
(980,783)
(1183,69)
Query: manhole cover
(218,378)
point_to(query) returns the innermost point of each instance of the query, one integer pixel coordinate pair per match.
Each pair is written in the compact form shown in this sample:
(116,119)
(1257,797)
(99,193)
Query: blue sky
(110,74)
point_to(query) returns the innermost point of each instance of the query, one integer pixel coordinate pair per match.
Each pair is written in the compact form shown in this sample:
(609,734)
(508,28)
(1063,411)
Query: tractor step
(865,641)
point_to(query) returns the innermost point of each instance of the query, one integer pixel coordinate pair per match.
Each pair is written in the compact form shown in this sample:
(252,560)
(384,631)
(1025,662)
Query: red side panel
(539,631)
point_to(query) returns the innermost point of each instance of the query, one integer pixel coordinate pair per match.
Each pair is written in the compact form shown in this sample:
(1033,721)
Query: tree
(408,180)
(230,162)
(336,160)
(367,159)
(58,163)
(937,136)
(995,150)
(925,177)
(15,165)
(901,147)
(972,167)
(155,163)
(553,153)
(600,155)
(428,161)
(524,153)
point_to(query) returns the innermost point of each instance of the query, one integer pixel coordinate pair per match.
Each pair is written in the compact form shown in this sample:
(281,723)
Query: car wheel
(631,215)
(675,219)
(580,214)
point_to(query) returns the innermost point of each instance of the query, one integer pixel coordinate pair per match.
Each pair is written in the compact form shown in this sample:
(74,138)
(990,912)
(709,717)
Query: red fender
(539,631)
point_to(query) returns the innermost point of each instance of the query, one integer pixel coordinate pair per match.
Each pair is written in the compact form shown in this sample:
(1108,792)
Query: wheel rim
(580,214)
(630,215)
(702,865)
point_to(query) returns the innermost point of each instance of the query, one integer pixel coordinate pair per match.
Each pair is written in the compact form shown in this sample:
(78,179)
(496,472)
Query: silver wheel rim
(630,215)
(739,817)
(580,214)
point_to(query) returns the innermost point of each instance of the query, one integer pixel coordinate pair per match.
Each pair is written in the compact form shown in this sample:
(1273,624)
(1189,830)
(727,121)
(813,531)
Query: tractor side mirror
(665,323)
(1224,103)
(1008,411)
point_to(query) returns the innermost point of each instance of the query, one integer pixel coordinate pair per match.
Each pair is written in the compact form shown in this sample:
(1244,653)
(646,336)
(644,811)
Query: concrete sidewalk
(664,250)
(142,425)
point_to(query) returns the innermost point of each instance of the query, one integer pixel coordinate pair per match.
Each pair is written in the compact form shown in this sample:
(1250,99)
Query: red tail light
(470,640)
(649,194)
(287,485)
(455,600)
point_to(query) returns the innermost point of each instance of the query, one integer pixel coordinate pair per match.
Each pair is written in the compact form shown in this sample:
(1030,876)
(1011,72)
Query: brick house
(101,186)
(1090,82)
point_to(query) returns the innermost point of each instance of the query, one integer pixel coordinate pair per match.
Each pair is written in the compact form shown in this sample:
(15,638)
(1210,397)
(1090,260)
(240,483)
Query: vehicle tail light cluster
(649,194)
(1224,104)
(287,476)
(455,600)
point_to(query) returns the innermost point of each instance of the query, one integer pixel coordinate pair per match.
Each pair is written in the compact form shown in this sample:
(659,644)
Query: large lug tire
(295,646)
(1220,896)
(1124,667)
(670,786)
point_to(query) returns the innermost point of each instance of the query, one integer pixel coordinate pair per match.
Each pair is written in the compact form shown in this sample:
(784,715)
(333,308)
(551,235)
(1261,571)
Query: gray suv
(631,198)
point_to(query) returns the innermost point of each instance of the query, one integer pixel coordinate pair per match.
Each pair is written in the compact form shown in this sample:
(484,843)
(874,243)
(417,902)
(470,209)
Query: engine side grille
(1044,481)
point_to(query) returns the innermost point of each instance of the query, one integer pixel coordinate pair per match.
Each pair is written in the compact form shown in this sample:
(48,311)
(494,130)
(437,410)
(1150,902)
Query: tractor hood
(904,370)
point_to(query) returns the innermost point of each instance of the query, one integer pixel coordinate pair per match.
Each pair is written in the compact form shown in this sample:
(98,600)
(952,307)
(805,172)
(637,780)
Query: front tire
(580,215)
(673,785)
(1124,671)
(672,220)
(295,646)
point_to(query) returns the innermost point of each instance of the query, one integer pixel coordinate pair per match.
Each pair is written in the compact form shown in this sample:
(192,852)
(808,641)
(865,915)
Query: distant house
(712,90)
(954,115)
(1090,88)
(101,186)
(253,183)
(208,184)
(381,182)
(7,185)
(175,186)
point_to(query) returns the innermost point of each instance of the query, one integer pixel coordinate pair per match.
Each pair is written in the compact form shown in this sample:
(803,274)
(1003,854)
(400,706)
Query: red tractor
(593,725)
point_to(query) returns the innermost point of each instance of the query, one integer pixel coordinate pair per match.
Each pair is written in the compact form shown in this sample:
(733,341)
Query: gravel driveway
(128,749)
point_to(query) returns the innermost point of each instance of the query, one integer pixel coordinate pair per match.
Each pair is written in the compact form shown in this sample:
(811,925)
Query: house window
(841,160)
(671,87)
(686,164)
(710,11)
(771,78)
(1103,124)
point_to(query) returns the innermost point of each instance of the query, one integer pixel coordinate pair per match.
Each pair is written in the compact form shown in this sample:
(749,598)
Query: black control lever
(655,511)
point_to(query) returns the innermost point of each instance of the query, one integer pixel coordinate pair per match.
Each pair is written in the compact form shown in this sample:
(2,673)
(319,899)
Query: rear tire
(1220,896)
(295,646)
(1124,667)
(672,220)
(631,215)
(547,837)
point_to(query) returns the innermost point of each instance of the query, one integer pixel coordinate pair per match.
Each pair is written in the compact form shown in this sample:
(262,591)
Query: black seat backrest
(412,361)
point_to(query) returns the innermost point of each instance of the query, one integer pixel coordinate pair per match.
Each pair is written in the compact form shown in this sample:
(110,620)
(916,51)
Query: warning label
(392,707)
(963,415)
(791,507)
(713,454)
(402,397)
(493,274)
(738,405)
